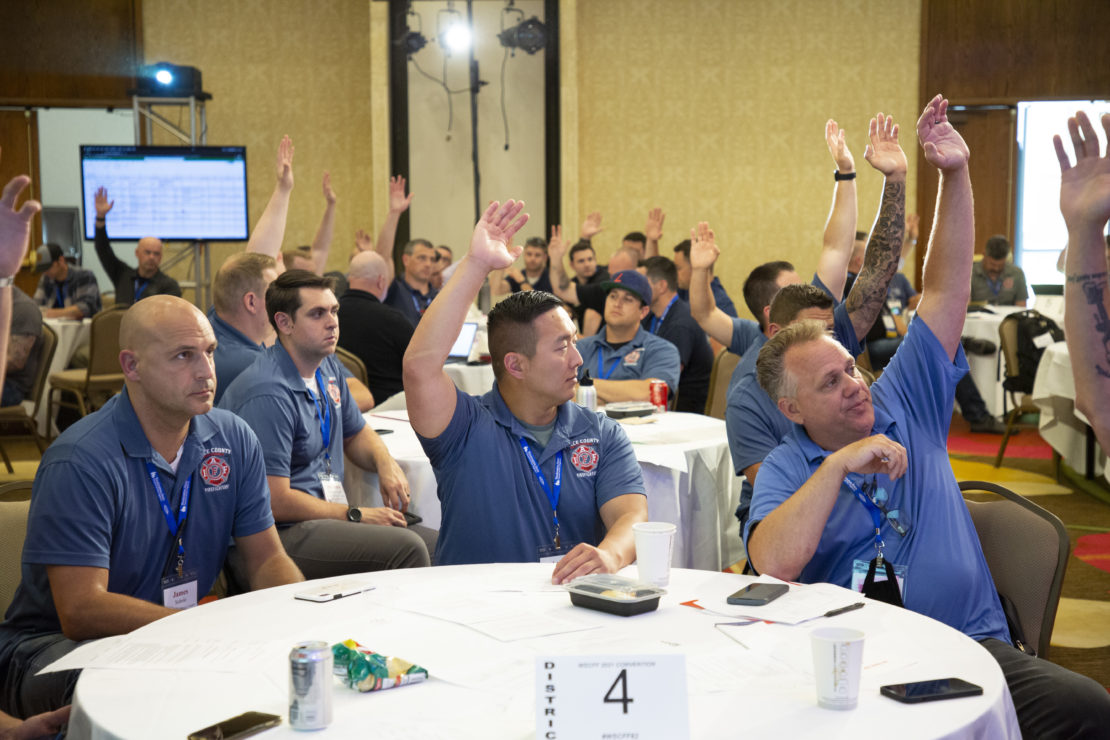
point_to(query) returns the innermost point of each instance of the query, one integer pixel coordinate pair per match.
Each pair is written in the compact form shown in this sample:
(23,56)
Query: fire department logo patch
(333,391)
(584,458)
(214,470)
(633,357)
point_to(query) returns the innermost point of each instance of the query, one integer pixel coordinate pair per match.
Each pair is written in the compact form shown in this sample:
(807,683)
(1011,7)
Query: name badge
(553,554)
(612,696)
(333,489)
(859,575)
(180,592)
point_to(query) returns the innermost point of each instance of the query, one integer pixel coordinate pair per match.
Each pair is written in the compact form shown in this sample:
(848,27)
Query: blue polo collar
(223,328)
(135,444)
(571,421)
(637,341)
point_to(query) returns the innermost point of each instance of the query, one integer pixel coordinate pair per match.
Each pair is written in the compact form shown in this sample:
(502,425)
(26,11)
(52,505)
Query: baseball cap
(631,281)
(47,255)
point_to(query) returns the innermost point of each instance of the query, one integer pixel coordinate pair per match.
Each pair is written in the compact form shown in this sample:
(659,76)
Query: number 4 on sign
(597,696)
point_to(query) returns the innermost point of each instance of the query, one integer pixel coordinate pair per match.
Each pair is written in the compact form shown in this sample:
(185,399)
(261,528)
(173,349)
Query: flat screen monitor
(460,350)
(170,192)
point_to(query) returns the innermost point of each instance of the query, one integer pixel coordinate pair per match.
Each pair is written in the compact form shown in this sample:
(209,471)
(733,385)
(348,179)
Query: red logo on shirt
(633,357)
(333,391)
(584,458)
(214,470)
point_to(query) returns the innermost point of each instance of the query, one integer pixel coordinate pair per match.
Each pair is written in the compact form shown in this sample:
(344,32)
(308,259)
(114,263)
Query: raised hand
(1084,186)
(591,226)
(15,226)
(654,228)
(944,148)
(703,247)
(838,147)
(103,205)
(398,202)
(329,194)
(556,247)
(284,165)
(363,241)
(492,241)
(884,152)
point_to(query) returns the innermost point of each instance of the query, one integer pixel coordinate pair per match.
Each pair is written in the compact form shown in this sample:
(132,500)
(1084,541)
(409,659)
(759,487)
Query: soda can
(310,684)
(658,397)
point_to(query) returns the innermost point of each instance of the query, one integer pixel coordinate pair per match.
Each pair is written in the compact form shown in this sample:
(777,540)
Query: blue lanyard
(137,289)
(60,295)
(657,321)
(324,417)
(553,492)
(600,366)
(182,511)
(874,511)
(416,301)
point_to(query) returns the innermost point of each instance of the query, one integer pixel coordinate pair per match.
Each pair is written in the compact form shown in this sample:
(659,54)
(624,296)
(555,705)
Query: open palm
(884,153)
(944,148)
(1084,187)
(493,236)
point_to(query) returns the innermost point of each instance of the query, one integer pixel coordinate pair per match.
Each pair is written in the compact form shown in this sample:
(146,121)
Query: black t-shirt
(543,282)
(680,329)
(378,335)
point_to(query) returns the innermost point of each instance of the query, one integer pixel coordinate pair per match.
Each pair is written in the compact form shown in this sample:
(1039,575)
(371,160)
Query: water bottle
(587,394)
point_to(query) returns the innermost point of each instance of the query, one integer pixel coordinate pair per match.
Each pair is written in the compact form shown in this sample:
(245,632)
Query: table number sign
(611,697)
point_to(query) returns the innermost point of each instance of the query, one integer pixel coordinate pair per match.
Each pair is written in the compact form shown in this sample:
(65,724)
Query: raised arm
(884,248)
(321,245)
(111,263)
(15,230)
(561,283)
(946,283)
(1085,204)
(840,228)
(268,233)
(398,204)
(429,392)
(703,307)
(653,231)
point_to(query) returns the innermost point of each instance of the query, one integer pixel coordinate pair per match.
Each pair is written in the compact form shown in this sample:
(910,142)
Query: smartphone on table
(758,594)
(244,725)
(935,690)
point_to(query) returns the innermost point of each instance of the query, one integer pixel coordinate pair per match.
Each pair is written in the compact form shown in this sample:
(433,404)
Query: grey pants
(22,693)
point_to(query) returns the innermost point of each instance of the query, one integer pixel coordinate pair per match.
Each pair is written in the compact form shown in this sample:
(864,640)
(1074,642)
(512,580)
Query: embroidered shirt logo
(215,470)
(333,391)
(584,458)
(633,357)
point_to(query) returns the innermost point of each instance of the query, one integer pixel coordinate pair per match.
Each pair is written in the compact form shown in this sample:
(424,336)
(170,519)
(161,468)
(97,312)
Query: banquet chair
(1022,403)
(723,365)
(354,364)
(102,378)
(17,415)
(1026,548)
(15,501)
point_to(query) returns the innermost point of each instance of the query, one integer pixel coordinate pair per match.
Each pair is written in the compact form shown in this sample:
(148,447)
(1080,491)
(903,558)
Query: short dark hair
(997,248)
(580,246)
(635,236)
(662,268)
(683,248)
(284,294)
(511,325)
(413,243)
(761,286)
(537,241)
(793,299)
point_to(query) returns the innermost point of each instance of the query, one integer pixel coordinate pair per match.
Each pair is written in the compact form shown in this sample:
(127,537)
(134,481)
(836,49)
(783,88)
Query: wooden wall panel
(19,142)
(70,52)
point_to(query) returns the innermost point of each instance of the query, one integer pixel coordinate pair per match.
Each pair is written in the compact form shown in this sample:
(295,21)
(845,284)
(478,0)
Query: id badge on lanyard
(557,549)
(878,579)
(333,485)
(179,585)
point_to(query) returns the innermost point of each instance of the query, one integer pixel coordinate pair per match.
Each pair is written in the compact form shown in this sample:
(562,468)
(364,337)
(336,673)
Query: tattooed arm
(1085,204)
(947,276)
(885,245)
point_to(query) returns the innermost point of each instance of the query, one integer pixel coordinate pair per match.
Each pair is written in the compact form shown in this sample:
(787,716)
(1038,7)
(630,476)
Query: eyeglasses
(879,496)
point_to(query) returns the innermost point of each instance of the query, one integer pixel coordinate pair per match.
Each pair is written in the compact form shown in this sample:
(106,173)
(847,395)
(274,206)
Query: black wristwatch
(354,514)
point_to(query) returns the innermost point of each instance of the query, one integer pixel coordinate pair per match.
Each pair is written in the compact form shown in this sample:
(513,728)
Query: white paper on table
(526,625)
(503,615)
(193,655)
(801,603)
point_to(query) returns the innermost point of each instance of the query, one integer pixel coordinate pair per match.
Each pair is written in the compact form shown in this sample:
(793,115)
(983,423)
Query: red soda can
(658,390)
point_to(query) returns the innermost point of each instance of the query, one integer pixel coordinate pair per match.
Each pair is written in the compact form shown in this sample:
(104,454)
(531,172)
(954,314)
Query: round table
(482,687)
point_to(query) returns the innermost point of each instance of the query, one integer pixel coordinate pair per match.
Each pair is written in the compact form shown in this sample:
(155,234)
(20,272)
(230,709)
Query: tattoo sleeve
(1094,291)
(880,261)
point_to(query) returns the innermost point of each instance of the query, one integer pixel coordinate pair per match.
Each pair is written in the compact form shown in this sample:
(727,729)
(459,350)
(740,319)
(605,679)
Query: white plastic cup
(654,543)
(837,657)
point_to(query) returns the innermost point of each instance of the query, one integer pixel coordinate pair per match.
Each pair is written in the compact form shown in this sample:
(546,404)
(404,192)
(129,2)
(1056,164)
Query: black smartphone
(941,688)
(244,725)
(383,432)
(411,519)
(758,594)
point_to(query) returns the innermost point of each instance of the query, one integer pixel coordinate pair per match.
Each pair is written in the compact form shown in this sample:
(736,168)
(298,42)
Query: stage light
(457,37)
(451,30)
(164,76)
(165,80)
(529,35)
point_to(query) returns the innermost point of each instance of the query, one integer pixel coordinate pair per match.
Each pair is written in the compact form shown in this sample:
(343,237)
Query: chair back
(1007,342)
(717,400)
(15,502)
(47,346)
(355,365)
(1026,548)
(104,341)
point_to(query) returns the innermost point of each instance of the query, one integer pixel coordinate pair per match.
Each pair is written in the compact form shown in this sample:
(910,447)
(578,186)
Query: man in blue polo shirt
(133,507)
(524,474)
(294,397)
(622,358)
(239,314)
(861,460)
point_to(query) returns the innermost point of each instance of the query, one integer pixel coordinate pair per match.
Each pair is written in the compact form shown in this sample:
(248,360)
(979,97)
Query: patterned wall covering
(715,110)
(280,67)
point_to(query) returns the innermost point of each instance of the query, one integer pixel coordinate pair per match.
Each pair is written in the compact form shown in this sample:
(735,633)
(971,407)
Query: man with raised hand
(862,484)
(98,559)
(132,283)
(15,231)
(410,292)
(1085,204)
(524,474)
(294,397)
(753,423)
(269,231)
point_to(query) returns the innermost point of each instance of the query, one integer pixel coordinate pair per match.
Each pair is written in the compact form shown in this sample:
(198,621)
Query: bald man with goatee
(133,507)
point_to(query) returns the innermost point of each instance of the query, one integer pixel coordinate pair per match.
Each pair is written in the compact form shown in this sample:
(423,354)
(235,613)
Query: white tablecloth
(687,472)
(71,335)
(483,687)
(1061,425)
(988,371)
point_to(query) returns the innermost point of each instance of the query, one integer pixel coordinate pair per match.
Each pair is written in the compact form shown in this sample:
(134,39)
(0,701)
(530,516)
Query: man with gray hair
(374,332)
(995,279)
(860,493)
